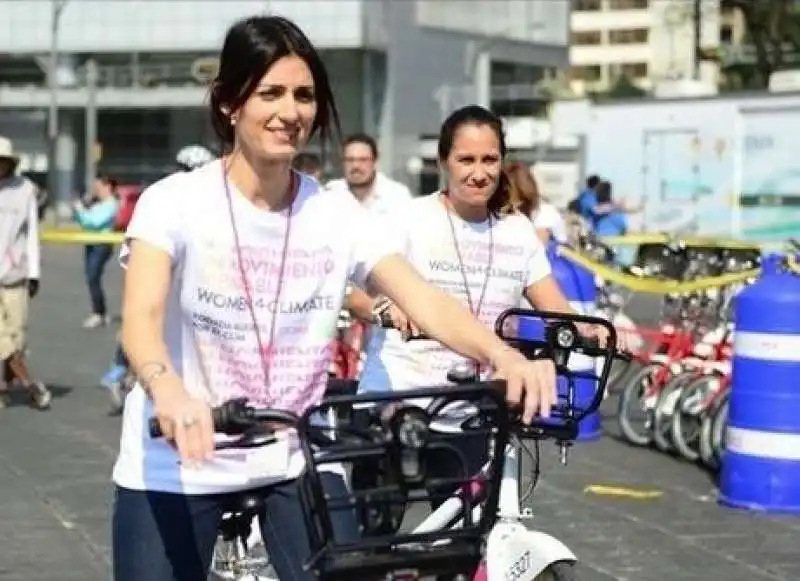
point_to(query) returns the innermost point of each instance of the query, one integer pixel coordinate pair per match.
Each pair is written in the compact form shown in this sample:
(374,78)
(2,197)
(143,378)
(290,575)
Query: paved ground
(55,466)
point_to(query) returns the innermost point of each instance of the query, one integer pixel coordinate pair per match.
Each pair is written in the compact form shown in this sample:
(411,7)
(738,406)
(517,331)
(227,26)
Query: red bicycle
(346,361)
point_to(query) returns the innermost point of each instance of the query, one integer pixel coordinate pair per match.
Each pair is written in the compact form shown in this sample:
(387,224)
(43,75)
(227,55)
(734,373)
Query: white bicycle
(479,532)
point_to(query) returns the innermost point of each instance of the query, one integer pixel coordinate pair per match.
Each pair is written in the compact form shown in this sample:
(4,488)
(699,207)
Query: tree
(623,88)
(772,29)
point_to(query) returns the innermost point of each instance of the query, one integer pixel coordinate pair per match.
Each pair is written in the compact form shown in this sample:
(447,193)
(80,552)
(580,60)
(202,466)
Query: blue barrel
(579,288)
(761,466)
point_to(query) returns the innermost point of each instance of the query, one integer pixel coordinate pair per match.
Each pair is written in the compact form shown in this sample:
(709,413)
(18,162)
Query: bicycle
(477,532)
(611,302)
(346,361)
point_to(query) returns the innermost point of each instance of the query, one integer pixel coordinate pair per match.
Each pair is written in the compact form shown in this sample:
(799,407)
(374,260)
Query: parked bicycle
(677,401)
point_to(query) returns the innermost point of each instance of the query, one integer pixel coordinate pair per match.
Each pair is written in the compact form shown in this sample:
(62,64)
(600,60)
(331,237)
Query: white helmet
(193,156)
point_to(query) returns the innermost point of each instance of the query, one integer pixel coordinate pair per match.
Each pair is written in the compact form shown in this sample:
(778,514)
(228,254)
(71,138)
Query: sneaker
(40,395)
(117,397)
(5,400)
(113,376)
(94,321)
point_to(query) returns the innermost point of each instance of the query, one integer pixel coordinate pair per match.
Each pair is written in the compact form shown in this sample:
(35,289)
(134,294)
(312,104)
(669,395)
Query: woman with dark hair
(99,217)
(236,273)
(465,241)
(525,198)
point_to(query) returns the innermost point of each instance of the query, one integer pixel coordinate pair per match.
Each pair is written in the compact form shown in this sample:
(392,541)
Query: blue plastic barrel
(578,287)
(761,466)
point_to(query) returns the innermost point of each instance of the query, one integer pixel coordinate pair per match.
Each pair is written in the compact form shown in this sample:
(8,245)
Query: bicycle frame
(512,550)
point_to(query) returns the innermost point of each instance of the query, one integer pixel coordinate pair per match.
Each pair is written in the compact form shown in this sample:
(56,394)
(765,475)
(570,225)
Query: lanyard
(475,309)
(265,356)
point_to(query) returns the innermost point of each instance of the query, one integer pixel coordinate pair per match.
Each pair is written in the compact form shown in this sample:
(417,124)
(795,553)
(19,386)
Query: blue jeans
(95,258)
(160,536)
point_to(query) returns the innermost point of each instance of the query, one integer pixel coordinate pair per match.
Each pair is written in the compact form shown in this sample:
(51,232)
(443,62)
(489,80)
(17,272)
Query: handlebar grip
(154,427)
(590,343)
(218,418)
(418,337)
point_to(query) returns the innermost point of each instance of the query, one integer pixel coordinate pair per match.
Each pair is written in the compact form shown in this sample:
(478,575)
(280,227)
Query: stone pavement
(55,466)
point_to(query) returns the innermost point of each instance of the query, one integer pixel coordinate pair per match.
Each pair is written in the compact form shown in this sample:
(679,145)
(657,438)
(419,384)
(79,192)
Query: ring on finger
(188,421)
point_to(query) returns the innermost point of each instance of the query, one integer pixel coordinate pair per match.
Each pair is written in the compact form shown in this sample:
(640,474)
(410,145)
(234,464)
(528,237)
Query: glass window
(629,36)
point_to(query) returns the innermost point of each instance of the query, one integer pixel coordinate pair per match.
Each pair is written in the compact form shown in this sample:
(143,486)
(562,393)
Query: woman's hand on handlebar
(531,384)
(601,335)
(597,332)
(185,421)
(401,322)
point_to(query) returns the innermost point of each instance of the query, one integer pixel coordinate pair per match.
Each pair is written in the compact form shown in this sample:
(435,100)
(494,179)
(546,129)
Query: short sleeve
(548,217)
(155,220)
(544,218)
(538,264)
(374,239)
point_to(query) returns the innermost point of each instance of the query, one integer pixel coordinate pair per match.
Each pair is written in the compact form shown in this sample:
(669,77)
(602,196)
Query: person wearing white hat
(19,273)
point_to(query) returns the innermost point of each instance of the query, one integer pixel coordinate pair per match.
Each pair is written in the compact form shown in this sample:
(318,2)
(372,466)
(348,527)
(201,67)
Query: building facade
(397,67)
(648,41)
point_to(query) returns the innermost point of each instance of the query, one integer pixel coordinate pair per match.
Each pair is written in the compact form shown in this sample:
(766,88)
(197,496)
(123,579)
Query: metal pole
(698,36)
(483,78)
(57,7)
(91,124)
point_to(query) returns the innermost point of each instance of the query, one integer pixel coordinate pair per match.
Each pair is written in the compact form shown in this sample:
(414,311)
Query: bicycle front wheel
(560,571)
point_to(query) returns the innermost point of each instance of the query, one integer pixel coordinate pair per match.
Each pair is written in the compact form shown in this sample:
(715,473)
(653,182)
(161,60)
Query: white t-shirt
(547,216)
(388,197)
(209,331)
(518,260)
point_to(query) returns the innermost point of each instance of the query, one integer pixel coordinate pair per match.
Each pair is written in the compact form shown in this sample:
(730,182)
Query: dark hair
(108,180)
(603,192)
(523,191)
(251,47)
(367,140)
(592,181)
(307,162)
(476,115)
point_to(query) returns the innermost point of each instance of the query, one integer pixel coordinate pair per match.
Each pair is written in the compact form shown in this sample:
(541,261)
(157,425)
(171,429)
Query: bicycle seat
(247,502)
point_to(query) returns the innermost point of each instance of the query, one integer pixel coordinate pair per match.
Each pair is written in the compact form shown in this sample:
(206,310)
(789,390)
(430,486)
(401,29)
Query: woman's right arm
(544,234)
(147,281)
(184,420)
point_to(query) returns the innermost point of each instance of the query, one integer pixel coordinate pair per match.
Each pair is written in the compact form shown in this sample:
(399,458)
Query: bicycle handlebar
(561,338)
(236,418)
(418,337)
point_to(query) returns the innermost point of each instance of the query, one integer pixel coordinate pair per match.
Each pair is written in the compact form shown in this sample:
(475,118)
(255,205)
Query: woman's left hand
(531,384)
(602,334)
(591,331)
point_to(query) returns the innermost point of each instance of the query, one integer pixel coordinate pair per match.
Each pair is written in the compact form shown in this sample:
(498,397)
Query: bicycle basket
(402,438)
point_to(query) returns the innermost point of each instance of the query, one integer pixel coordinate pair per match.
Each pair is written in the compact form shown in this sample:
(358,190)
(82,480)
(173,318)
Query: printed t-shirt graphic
(209,327)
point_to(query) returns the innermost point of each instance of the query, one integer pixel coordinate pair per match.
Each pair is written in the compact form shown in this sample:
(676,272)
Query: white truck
(716,166)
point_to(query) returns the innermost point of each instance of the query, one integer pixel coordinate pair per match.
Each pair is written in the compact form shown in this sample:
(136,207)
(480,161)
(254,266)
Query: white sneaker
(94,321)
(41,396)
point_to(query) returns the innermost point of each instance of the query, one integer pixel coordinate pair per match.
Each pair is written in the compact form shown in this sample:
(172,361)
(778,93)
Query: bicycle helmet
(193,156)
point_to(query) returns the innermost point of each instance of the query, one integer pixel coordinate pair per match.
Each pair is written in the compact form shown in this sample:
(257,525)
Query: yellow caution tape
(698,241)
(653,285)
(70,236)
(635,239)
(792,265)
(623,492)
